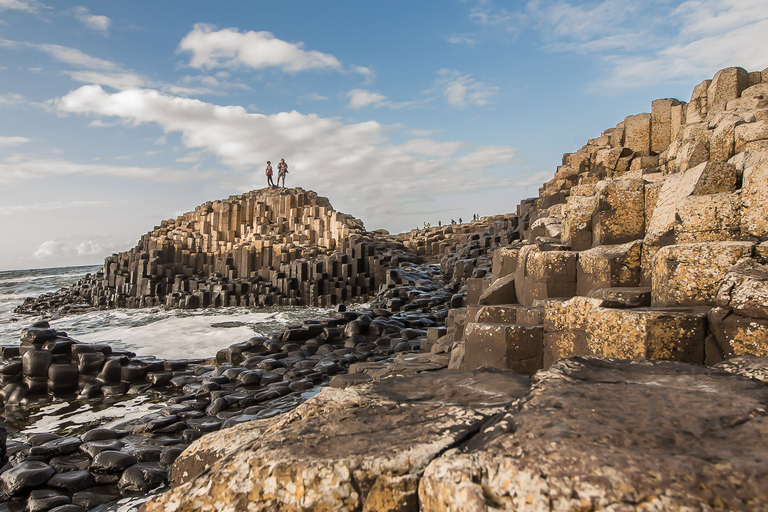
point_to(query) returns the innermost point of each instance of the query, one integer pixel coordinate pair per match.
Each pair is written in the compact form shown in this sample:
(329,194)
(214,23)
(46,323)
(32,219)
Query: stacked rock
(434,242)
(256,379)
(268,247)
(650,242)
(48,362)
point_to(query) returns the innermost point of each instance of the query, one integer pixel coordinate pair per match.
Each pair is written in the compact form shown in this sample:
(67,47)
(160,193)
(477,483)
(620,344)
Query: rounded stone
(72,481)
(41,500)
(142,477)
(35,363)
(27,475)
(99,434)
(110,460)
(93,448)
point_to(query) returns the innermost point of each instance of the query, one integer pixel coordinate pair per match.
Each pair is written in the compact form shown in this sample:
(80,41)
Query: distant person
(268,172)
(461,221)
(282,170)
(439,224)
(453,222)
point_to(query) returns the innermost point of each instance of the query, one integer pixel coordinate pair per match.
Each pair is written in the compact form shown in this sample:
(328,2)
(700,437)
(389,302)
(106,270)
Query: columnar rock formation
(651,241)
(270,246)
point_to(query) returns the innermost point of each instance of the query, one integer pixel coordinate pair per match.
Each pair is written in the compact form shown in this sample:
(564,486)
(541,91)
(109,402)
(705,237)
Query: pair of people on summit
(282,170)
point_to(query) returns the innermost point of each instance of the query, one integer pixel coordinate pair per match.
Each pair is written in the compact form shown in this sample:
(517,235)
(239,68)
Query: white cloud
(11,99)
(367,73)
(311,97)
(463,90)
(55,205)
(359,98)
(355,164)
(230,48)
(92,21)
(119,80)
(643,43)
(24,167)
(20,5)
(161,141)
(75,57)
(75,249)
(13,141)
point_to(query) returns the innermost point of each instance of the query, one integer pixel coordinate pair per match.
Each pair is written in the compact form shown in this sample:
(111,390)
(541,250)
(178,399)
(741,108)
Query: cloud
(462,90)
(355,164)
(118,80)
(367,73)
(311,97)
(77,249)
(11,99)
(230,48)
(641,43)
(20,5)
(13,141)
(55,205)
(24,167)
(359,98)
(92,21)
(75,57)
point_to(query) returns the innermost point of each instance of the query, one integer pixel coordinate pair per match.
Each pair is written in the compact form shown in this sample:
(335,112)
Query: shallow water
(165,334)
(173,334)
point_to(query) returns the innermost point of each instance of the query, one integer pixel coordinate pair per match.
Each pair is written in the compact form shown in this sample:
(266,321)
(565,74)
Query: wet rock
(42,438)
(93,448)
(110,460)
(72,481)
(74,462)
(99,434)
(90,499)
(25,476)
(41,500)
(142,477)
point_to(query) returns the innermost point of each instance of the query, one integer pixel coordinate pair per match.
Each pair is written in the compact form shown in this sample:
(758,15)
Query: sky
(117,115)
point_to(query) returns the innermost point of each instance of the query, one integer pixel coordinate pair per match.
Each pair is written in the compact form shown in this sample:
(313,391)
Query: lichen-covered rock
(691,274)
(359,448)
(614,435)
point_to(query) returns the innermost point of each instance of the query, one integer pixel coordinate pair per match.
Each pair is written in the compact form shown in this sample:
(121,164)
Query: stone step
(507,346)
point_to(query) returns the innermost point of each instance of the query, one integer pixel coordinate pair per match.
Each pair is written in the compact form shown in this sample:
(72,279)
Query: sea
(166,334)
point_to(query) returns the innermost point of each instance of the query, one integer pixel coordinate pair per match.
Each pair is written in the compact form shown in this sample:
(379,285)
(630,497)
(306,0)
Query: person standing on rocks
(268,172)
(282,170)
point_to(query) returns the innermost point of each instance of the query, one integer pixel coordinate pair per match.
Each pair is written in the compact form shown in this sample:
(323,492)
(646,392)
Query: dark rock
(40,439)
(93,448)
(99,434)
(74,462)
(143,477)
(110,460)
(41,500)
(25,476)
(90,499)
(63,446)
(72,481)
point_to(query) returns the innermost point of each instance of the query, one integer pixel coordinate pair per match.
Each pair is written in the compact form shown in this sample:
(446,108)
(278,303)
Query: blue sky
(116,115)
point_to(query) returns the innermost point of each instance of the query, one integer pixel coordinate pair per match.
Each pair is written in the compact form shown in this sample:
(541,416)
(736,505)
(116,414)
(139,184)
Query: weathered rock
(377,438)
(614,435)
(680,279)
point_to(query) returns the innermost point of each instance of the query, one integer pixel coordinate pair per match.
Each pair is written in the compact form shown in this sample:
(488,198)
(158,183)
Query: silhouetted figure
(282,170)
(460,221)
(439,224)
(268,172)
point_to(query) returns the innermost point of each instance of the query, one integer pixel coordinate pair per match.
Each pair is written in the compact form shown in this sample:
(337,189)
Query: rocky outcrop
(359,448)
(272,246)
(590,434)
(650,242)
